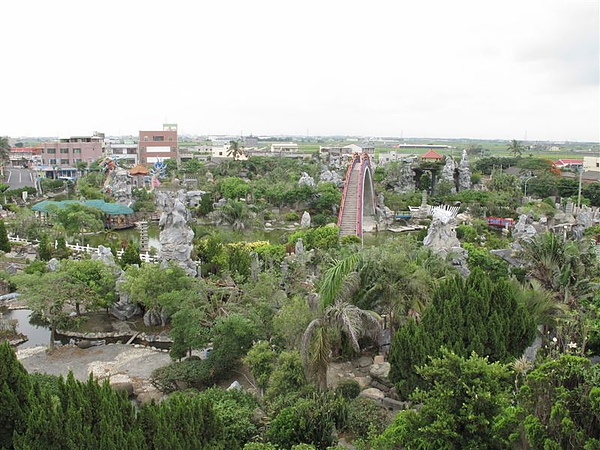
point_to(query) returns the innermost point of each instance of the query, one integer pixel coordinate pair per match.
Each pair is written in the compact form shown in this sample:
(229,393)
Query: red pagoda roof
(140,169)
(432,155)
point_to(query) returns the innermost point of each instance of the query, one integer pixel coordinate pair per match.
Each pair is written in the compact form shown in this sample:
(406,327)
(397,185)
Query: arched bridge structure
(357,210)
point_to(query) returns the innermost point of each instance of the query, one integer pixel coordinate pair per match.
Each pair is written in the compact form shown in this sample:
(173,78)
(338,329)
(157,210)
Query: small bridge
(357,209)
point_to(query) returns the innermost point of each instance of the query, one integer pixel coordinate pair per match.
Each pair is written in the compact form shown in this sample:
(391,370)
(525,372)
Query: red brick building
(158,145)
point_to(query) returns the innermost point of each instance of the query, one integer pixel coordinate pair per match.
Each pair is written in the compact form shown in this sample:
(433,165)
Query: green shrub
(350,239)
(348,388)
(292,217)
(365,416)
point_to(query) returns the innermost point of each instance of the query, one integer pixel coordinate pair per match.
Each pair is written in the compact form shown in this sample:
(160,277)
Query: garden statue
(305,220)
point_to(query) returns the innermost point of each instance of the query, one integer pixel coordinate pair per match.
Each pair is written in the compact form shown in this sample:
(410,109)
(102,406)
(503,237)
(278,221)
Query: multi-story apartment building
(125,153)
(64,154)
(158,145)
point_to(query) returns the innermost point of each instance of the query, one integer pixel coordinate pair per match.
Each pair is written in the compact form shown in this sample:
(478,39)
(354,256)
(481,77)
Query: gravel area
(122,363)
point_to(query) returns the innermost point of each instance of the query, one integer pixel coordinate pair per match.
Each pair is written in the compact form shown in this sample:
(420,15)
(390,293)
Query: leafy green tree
(233,188)
(14,398)
(96,281)
(458,409)
(4,242)
(77,218)
(291,320)
(47,294)
(261,359)
(189,329)
(157,288)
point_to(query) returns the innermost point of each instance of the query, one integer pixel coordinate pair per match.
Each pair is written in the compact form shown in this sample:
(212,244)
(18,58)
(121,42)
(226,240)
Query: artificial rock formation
(175,235)
(448,172)
(124,309)
(441,238)
(306,179)
(329,176)
(120,187)
(464,173)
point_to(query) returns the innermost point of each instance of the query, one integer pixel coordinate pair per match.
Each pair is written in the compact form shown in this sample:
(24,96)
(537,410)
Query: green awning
(112,209)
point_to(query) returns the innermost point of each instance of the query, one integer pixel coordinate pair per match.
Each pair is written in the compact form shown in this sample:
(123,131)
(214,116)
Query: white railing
(145,257)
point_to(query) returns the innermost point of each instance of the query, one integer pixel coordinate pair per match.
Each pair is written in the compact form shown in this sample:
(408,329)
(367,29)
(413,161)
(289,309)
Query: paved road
(18,177)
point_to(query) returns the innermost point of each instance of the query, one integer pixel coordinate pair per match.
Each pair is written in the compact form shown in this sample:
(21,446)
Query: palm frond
(335,276)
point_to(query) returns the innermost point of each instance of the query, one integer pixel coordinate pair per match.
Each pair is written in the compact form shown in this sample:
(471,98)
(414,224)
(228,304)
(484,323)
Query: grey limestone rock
(104,255)
(306,179)
(464,172)
(448,171)
(176,236)
(53,265)
(380,372)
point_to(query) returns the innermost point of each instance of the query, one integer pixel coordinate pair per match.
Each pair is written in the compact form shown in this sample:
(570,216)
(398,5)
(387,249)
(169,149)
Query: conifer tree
(4,242)
(465,316)
(131,255)
(14,395)
(44,249)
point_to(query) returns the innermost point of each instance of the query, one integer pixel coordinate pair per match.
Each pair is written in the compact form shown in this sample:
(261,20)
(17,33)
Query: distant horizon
(309,137)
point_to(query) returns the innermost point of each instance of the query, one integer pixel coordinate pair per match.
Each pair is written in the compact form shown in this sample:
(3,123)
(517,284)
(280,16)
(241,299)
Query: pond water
(38,334)
(273,236)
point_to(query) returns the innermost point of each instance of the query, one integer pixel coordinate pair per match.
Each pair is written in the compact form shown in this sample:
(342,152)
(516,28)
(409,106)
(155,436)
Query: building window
(64,150)
(170,138)
(52,161)
(77,160)
(142,149)
(146,138)
(172,149)
(51,151)
(76,151)
(64,161)
(158,138)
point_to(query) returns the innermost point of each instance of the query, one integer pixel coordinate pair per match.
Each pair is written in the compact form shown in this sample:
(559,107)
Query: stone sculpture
(305,220)
(120,187)
(175,235)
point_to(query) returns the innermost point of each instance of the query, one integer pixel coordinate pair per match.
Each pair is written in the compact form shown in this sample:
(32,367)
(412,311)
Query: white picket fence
(145,257)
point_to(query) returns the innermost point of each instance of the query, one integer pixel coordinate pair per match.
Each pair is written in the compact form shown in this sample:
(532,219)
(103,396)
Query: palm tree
(516,148)
(340,318)
(235,150)
(561,266)
(236,214)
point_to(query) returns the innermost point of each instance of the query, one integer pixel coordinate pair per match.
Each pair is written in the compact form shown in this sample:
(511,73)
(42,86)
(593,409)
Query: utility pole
(580,170)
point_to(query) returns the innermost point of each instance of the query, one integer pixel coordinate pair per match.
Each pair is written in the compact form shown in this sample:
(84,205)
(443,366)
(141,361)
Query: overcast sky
(475,69)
